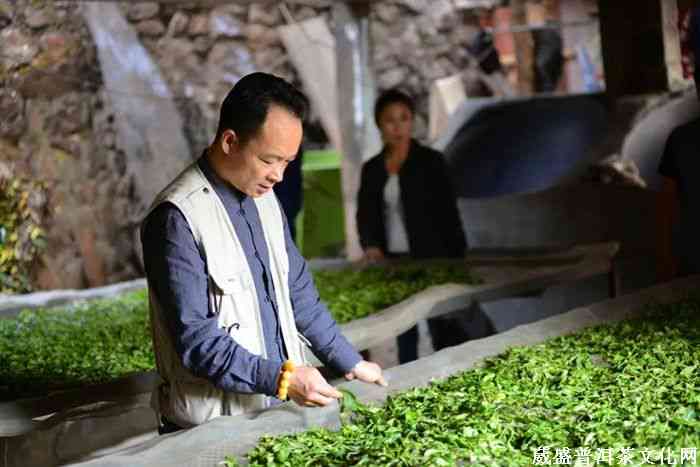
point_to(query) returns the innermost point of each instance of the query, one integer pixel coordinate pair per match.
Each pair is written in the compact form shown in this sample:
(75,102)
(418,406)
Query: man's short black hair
(245,107)
(392,96)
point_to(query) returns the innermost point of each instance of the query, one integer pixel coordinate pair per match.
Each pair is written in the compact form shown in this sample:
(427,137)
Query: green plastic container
(320,224)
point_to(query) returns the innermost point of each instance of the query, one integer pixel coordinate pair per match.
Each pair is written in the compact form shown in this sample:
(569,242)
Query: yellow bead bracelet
(283,387)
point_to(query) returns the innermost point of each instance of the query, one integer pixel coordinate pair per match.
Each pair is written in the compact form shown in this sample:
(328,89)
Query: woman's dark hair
(245,107)
(392,96)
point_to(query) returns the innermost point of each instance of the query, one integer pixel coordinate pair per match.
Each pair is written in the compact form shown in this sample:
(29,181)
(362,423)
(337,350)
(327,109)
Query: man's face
(257,165)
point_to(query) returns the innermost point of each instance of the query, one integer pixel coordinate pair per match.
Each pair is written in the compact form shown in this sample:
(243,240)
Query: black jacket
(431,218)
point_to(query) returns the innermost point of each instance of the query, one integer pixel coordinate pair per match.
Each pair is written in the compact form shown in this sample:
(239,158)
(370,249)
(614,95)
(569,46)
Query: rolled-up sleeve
(177,274)
(312,317)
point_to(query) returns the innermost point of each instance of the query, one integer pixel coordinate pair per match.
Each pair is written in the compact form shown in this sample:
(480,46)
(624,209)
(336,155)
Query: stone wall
(59,131)
(416,42)
(204,51)
(58,125)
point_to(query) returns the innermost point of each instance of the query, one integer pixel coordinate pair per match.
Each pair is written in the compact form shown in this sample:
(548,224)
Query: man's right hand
(307,387)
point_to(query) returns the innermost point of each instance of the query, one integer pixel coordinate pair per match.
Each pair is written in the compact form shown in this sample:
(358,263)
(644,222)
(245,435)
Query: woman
(406,206)
(677,206)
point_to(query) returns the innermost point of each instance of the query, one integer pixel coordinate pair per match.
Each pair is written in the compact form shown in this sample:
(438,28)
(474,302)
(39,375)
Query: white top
(396,238)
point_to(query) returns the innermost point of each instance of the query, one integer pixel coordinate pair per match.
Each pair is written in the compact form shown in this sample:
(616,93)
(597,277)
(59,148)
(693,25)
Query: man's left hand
(369,372)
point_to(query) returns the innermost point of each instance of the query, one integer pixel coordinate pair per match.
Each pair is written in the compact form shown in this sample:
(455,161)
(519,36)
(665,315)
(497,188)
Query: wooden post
(632,38)
(524,49)
(551,8)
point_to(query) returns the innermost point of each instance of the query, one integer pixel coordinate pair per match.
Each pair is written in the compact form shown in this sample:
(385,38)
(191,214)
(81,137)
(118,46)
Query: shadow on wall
(525,145)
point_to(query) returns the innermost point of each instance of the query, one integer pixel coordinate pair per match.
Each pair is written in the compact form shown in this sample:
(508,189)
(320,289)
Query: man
(679,225)
(290,192)
(231,298)
(482,46)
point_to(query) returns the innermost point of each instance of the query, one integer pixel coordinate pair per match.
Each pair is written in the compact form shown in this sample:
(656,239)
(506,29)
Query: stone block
(16,48)
(260,36)
(7,12)
(13,123)
(150,27)
(37,18)
(178,24)
(141,11)
(268,15)
(199,25)
(224,24)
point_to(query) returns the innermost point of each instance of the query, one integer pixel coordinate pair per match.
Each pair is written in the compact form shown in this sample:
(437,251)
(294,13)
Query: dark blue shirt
(177,272)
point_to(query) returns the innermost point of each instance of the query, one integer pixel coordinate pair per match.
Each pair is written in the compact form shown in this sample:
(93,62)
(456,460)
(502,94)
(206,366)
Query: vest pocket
(233,301)
(247,337)
(234,304)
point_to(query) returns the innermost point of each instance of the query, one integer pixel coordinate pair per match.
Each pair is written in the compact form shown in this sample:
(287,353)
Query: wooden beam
(632,39)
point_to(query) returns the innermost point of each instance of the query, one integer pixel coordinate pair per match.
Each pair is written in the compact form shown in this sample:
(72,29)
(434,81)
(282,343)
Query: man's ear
(229,141)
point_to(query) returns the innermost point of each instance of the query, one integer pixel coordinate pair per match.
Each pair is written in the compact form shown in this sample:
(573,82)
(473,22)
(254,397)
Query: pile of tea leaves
(96,341)
(626,389)
(355,294)
(56,348)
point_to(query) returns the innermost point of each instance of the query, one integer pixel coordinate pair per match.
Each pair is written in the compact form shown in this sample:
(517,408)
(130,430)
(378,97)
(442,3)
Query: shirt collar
(219,184)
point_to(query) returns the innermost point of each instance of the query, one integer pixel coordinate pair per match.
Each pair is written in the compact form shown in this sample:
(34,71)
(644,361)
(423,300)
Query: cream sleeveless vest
(182,397)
